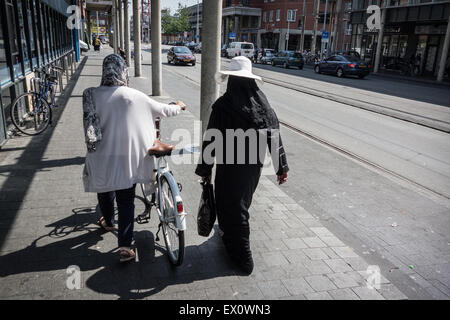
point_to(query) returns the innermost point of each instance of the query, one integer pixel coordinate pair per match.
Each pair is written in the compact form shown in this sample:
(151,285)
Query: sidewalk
(47,223)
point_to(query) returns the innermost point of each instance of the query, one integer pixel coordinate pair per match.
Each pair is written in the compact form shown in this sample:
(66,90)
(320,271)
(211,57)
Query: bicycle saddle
(160,149)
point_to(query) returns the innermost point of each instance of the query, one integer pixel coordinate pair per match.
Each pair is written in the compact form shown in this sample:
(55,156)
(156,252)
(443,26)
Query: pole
(444,54)
(380,40)
(197,37)
(127,31)
(302,40)
(336,27)
(316,21)
(149,18)
(287,36)
(122,42)
(98,25)
(209,90)
(137,39)
(156,48)
(324,29)
(114,26)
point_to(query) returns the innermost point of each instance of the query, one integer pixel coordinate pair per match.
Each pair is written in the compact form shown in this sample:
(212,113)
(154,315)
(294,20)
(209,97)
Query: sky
(173,4)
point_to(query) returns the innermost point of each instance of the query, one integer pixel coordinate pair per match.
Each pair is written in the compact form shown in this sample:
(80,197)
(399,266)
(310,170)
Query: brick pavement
(47,223)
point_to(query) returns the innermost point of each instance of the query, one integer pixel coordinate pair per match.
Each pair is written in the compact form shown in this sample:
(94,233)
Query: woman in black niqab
(243,106)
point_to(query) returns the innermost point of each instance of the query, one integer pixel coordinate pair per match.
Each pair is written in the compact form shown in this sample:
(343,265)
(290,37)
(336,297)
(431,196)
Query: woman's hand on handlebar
(182,105)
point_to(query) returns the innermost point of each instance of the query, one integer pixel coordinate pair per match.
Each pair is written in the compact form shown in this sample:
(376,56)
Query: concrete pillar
(115,27)
(380,42)
(137,38)
(316,21)
(127,31)
(444,54)
(121,40)
(336,26)
(156,48)
(209,90)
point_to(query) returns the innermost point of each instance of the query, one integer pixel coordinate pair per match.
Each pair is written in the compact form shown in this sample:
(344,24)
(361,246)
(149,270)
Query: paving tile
(315,254)
(338,265)
(365,293)
(297,286)
(319,296)
(332,241)
(222,293)
(295,243)
(320,283)
(343,280)
(275,259)
(317,267)
(343,294)
(314,242)
(247,292)
(345,252)
(273,289)
(391,292)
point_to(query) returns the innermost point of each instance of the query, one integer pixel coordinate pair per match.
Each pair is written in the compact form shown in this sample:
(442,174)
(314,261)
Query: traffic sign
(325,35)
(232,35)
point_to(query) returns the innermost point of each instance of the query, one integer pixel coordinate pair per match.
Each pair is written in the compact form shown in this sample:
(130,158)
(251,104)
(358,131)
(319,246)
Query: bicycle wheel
(28,117)
(173,237)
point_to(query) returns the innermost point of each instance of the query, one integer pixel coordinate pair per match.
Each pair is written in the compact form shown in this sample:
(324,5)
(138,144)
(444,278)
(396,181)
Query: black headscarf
(244,98)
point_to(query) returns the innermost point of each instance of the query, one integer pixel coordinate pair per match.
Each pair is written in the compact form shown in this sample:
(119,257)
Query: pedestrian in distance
(97,44)
(243,107)
(119,125)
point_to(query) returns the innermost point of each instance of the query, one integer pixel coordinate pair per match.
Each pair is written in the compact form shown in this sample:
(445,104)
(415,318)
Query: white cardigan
(127,120)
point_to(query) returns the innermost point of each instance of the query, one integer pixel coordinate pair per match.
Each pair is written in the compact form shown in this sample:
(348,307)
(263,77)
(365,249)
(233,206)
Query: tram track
(341,150)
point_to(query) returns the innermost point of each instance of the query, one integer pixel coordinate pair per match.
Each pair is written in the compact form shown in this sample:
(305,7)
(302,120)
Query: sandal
(104,225)
(127,254)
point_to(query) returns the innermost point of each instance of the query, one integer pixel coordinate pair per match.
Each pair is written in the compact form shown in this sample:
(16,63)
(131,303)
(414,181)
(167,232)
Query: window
(271,16)
(278,14)
(5,76)
(292,15)
(23,39)
(265,16)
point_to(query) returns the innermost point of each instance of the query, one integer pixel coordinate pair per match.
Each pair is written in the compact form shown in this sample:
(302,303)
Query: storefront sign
(374,20)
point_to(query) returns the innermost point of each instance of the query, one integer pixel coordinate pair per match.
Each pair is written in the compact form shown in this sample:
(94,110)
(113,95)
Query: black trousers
(234,189)
(125,204)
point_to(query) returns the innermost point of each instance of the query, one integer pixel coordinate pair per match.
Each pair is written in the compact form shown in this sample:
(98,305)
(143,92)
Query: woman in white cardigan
(120,129)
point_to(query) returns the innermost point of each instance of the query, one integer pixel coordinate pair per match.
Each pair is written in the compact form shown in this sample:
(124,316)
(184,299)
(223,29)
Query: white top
(127,120)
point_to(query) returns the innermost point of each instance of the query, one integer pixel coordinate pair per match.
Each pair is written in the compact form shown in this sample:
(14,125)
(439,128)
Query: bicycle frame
(180,219)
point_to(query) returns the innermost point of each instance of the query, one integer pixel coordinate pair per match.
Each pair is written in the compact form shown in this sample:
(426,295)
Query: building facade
(414,32)
(283,24)
(33,34)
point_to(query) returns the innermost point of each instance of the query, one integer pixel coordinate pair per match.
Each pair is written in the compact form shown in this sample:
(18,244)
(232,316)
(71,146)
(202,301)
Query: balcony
(98,5)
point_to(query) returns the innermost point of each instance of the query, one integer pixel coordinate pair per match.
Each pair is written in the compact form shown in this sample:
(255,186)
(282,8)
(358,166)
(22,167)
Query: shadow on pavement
(74,242)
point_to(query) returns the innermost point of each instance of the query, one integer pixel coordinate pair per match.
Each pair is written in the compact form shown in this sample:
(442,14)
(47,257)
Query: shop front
(413,39)
(33,34)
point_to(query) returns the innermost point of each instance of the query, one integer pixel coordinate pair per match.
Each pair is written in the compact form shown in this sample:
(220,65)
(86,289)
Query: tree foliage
(177,23)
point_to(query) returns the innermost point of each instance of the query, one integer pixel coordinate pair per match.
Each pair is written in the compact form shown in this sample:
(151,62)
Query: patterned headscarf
(115,71)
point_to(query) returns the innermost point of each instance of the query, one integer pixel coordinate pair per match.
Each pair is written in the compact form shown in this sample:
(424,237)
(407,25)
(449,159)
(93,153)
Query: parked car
(181,55)
(343,66)
(84,46)
(191,45)
(267,57)
(288,59)
(245,49)
(351,53)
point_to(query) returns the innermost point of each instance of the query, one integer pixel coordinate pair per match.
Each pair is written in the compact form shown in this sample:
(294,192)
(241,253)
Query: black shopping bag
(207,210)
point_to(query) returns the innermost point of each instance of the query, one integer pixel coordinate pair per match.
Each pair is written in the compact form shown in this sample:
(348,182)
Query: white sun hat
(240,67)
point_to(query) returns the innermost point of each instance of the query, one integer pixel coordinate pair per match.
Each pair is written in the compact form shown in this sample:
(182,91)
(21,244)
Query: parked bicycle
(165,197)
(31,112)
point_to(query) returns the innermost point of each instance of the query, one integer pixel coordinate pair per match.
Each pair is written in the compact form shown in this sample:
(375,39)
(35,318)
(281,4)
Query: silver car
(267,58)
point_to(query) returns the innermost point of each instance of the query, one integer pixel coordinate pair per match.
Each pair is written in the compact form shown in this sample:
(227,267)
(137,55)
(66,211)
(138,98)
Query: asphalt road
(414,152)
(393,223)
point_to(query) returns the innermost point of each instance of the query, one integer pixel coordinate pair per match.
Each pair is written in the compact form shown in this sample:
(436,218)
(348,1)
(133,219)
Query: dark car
(288,59)
(343,66)
(223,51)
(181,55)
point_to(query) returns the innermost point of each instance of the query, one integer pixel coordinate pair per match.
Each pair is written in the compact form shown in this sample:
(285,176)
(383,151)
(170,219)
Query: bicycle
(169,206)
(31,112)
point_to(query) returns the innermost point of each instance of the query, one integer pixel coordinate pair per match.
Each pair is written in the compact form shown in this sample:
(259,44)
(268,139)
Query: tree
(178,23)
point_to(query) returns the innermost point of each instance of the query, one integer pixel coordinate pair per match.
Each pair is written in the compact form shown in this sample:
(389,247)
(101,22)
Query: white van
(245,49)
